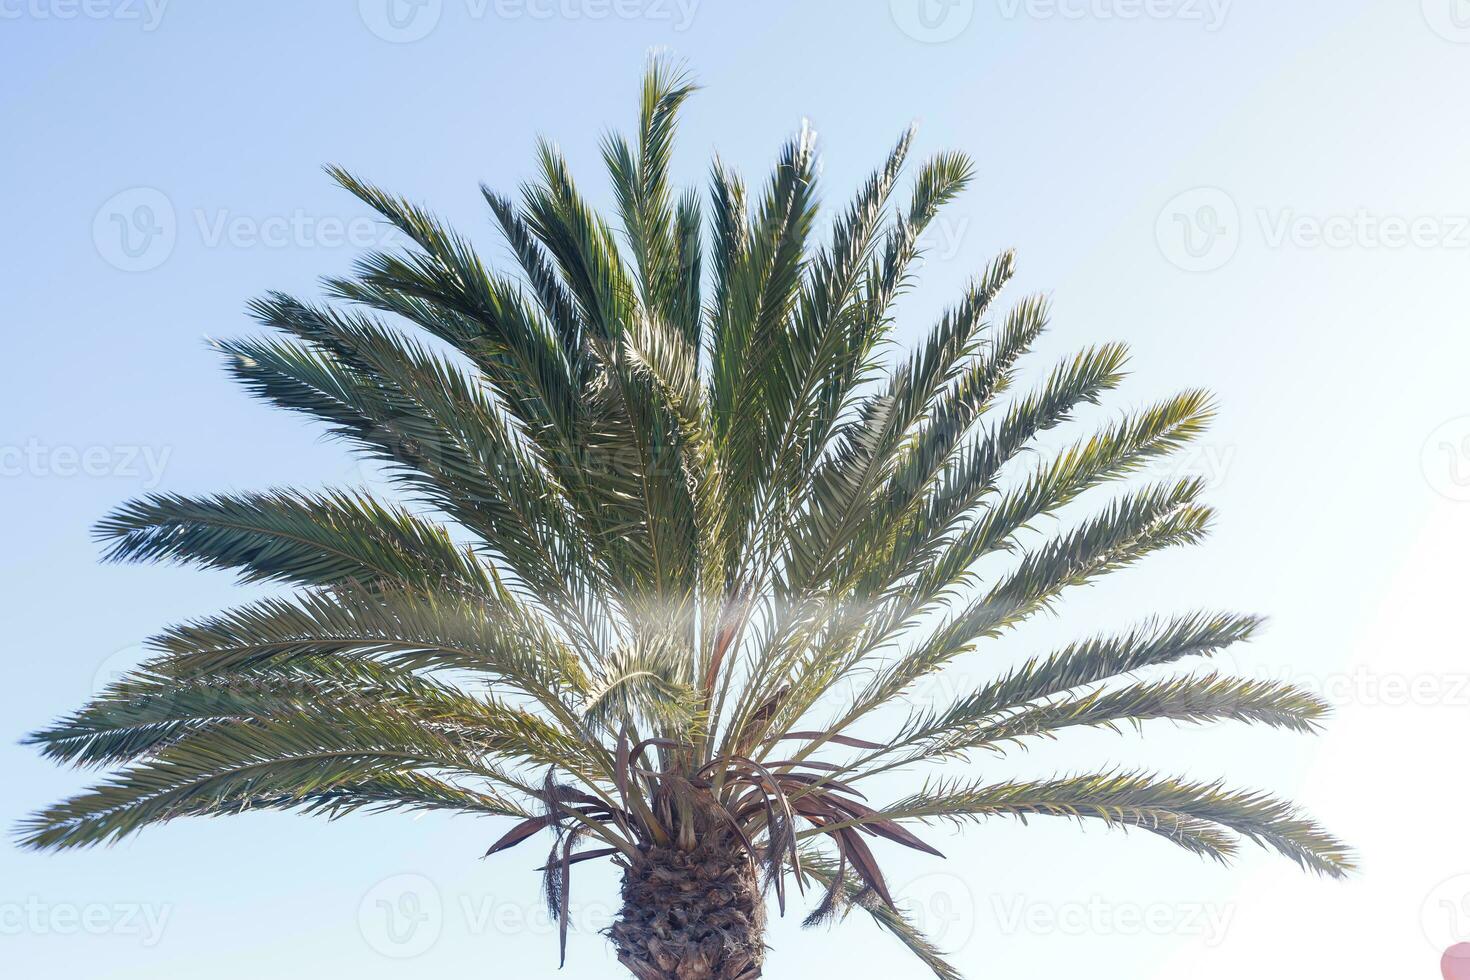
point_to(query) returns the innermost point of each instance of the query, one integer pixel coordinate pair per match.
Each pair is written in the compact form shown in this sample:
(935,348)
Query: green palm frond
(674,522)
(307,539)
(499,639)
(1192,700)
(1088,662)
(276,761)
(1198,816)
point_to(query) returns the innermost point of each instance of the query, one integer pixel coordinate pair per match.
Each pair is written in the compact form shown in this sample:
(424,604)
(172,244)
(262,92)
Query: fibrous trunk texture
(691,915)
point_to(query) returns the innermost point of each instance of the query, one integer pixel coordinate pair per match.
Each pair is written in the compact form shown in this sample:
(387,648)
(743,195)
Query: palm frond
(306,539)
(1185,700)
(1191,814)
(1129,529)
(1094,660)
(499,640)
(277,762)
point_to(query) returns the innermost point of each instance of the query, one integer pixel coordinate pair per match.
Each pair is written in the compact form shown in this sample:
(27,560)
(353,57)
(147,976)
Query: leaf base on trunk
(691,915)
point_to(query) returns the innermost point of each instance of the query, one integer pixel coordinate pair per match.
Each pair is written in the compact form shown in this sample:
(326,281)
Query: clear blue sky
(1268,199)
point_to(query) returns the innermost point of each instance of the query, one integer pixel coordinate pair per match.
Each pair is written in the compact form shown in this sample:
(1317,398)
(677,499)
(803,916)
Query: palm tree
(686,535)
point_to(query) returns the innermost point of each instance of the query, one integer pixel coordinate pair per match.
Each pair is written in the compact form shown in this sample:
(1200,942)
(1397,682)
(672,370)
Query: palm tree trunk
(691,915)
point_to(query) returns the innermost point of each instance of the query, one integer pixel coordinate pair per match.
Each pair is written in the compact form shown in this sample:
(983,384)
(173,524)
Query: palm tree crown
(682,528)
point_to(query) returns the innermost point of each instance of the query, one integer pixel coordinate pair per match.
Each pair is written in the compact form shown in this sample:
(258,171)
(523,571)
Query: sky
(1265,199)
